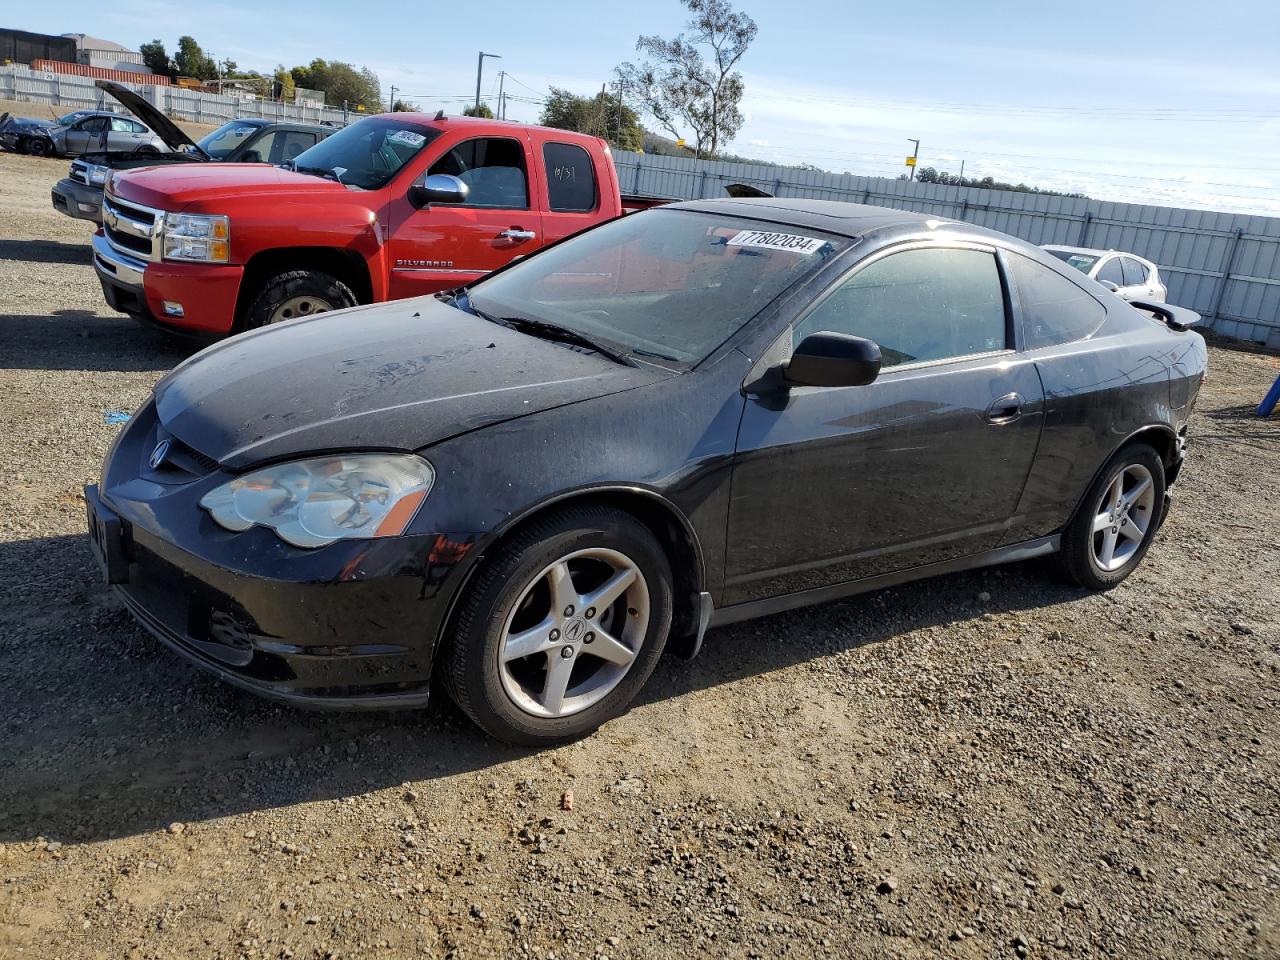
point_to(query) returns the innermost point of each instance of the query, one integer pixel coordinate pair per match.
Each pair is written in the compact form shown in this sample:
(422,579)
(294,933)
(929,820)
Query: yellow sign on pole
(680,142)
(911,161)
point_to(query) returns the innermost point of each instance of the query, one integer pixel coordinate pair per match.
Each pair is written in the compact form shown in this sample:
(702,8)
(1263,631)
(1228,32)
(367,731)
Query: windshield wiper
(318,172)
(547,330)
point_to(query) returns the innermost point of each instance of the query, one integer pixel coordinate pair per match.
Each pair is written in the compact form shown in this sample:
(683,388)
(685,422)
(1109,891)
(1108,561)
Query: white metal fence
(1225,266)
(67,92)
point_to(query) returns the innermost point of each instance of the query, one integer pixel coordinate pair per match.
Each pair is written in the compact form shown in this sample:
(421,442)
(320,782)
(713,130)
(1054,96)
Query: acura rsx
(679,419)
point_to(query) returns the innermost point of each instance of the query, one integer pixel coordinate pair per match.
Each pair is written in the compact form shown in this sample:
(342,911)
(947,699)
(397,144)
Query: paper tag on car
(407,137)
(767,240)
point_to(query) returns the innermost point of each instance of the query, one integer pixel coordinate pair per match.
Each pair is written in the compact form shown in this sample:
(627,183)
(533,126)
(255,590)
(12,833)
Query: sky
(1173,103)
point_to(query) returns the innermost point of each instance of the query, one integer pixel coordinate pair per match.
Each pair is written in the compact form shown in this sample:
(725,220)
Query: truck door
(445,246)
(572,200)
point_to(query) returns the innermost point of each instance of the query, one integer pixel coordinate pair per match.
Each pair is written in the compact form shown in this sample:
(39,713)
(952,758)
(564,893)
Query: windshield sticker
(407,137)
(790,242)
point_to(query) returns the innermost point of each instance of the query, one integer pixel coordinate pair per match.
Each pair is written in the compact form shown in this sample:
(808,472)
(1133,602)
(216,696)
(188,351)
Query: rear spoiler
(1175,318)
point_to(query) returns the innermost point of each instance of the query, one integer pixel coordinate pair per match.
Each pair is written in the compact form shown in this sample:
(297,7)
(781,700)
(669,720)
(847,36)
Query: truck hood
(165,129)
(175,186)
(396,376)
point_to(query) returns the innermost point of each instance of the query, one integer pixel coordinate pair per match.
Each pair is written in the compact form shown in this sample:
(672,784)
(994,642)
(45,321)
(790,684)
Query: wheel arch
(665,521)
(346,265)
(1160,436)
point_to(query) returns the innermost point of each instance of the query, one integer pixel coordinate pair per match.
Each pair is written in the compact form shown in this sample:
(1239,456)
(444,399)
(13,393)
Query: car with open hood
(79,132)
(695,415)
(250,140)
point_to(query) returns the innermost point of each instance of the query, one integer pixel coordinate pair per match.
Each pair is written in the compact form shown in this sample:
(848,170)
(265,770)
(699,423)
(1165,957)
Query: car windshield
(69,118)
(663,284)
(366,154)
(1081,261)
(222,142)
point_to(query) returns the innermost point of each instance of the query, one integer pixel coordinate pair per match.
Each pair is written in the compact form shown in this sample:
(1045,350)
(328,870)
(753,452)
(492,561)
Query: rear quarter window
(1054,309)
(571,178)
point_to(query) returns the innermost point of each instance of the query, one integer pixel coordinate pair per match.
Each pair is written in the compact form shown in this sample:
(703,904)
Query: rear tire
(294,294)
(547,591)
(1117,520)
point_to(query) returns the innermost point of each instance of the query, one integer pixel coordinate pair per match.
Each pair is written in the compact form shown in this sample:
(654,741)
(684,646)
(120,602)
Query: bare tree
(683,90)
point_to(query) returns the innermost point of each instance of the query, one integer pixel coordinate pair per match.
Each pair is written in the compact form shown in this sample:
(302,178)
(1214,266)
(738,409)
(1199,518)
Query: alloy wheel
(303,306)
(1122,517)
(574,633)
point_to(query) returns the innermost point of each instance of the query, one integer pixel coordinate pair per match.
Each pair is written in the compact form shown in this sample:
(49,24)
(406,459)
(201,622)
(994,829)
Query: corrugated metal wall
(1225,266)
(70,92)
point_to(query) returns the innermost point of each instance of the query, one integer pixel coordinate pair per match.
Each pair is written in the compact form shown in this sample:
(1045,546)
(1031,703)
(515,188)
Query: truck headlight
(190,236)
(312,503)
(98,175)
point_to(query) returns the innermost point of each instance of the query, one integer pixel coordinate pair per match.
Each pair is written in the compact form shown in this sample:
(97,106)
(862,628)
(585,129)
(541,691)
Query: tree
(931,175)
(401,107)
(601,116)
(680,89)
(191,61)
(287,87)
(156,58)
(340,82)
(481,111)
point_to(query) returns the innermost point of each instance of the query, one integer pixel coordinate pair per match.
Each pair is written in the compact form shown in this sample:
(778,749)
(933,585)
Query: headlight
(189,236)
(98,175)
(311,503)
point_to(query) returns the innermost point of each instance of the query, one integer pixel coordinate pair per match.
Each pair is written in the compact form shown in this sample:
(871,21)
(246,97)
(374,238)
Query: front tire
(1117,520)
(294,294)
(39,147)
(561,628)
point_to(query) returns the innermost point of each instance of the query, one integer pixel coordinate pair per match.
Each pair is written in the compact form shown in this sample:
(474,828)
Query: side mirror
(827,359)
(438,188)
(1109,285)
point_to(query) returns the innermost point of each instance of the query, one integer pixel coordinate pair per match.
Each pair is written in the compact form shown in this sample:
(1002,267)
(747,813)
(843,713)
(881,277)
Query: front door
(444,246)
(926,464)
(87,134)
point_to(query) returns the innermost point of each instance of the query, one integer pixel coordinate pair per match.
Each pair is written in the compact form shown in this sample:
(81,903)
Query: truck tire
(294,294)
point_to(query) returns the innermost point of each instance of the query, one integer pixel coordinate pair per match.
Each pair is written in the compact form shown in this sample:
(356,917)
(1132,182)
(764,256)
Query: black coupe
(679,419)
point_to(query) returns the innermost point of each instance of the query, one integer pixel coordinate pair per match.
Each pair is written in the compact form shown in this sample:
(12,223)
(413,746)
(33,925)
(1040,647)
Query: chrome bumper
(114,265)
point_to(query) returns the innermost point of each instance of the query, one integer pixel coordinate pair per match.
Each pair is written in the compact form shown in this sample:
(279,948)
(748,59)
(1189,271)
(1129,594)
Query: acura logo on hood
(159,454)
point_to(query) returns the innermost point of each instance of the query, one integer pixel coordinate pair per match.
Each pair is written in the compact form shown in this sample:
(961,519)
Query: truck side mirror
(827,359)
(437,188)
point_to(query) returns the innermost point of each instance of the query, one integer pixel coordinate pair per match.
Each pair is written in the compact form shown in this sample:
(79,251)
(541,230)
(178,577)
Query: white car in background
(1128,275)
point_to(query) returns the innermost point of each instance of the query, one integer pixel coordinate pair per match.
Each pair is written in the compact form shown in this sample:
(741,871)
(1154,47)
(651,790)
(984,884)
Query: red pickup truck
(396,205)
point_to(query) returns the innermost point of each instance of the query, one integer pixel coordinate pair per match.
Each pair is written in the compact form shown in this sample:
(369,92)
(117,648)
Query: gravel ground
(985,765)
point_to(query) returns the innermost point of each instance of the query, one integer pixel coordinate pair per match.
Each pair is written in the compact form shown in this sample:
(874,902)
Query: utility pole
(502,79)
(480,71)
(392,104)
(914,157)
(962,173)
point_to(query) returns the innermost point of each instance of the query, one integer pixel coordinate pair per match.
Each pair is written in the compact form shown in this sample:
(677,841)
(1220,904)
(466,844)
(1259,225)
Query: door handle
(1005,410)
(515,233)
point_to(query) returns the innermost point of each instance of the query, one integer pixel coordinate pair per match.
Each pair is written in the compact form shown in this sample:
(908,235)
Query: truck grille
(79,172)
(129,227)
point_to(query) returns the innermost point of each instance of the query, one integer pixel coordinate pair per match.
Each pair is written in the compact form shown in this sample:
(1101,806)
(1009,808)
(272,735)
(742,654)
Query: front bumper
(77,200)
(358,635)
(143,289)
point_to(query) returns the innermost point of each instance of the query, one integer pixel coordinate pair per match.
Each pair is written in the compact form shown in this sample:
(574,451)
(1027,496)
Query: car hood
(397,376)
(165,129)
(175,186)
(27,125)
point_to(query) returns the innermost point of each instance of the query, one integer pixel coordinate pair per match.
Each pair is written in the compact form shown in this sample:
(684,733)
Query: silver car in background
(78,133)
(1128,275)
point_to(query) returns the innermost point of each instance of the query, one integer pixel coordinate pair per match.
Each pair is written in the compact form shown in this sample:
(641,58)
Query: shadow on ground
(46,251)
(84,340)
(103,732)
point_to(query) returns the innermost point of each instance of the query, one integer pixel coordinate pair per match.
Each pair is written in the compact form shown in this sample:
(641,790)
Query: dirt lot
(985,765)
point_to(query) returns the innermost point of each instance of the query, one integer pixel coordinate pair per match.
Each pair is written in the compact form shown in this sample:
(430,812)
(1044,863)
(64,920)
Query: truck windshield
(662,284)
(222,142)
(366,154)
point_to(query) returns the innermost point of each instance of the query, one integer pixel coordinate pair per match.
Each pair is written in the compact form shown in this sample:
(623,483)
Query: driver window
(93,125)
(492,168)
(919,305)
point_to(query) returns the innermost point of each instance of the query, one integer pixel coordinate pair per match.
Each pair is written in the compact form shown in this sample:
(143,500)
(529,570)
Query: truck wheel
(296,293)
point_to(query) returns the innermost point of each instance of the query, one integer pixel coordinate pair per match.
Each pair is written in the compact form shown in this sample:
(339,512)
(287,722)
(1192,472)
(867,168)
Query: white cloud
(760,143)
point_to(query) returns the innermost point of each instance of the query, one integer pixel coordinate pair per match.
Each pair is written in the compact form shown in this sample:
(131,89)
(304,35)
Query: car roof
(833,216)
